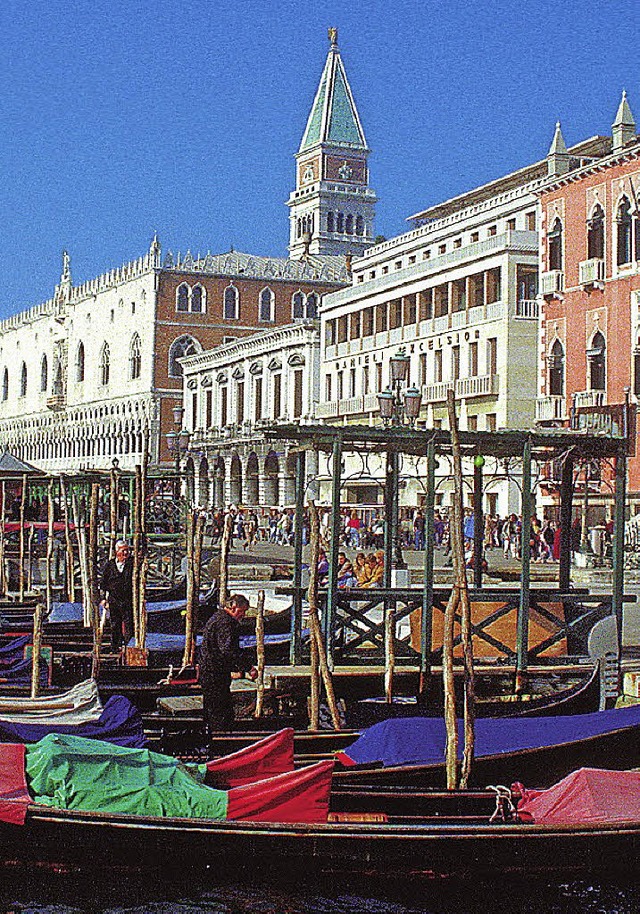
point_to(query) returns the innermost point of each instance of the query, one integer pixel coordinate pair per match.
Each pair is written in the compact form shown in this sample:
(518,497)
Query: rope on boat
(505,809)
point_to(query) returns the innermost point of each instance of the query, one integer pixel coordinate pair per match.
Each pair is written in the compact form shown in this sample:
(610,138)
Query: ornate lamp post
(399,406)
(178,445)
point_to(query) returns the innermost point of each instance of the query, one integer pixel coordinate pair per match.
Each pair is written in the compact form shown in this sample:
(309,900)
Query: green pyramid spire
(334,117)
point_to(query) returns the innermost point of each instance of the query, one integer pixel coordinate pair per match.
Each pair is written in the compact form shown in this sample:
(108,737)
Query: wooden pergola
(535,451)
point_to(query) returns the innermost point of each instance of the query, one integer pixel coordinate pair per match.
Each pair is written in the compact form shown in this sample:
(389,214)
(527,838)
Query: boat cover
(74,612)
(18,673)
(77,706)
(13,650)
(119,723)
(67,772)
(296,796)
(588,795)
(421,740)
(14,796)
(270,756)
(167,643)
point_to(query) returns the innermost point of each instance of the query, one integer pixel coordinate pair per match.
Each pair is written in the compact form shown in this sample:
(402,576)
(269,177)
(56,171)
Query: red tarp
(298,796)
(270,756)
(589,795)
(14,796)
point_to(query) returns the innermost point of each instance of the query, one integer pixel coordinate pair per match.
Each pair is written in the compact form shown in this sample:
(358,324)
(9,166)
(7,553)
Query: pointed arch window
(359,225)
(595,234)
(297,305)
(197,299)
(596,362)
(182,297)
(105,365)
(330,223)
(135,358)
(624,226)
(349,224)
(312,305)
(183,346)
(23,380)
(266,305)
(556,370)
(44,374)
(5,385)
(231,304)
(555,246)
(340,223)
(80,363)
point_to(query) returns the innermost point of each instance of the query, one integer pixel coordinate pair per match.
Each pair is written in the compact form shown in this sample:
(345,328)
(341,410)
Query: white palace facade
(459,294)
(230,394)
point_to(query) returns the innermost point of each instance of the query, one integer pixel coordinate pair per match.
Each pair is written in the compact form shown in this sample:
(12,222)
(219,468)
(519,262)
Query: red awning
(14,796)
(297,796)
(270,756)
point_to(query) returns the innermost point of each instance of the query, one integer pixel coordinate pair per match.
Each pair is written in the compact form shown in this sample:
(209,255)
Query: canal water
(26,894)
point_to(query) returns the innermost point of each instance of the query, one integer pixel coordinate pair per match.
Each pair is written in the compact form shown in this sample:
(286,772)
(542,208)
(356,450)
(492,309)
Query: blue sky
(124,118)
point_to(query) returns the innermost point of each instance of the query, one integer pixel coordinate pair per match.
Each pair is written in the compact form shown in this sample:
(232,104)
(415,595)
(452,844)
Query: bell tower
(332,207)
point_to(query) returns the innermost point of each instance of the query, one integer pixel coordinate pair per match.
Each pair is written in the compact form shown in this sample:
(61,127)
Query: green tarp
(70,772)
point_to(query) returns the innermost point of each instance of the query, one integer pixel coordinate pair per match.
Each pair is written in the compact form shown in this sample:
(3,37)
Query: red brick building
(201,304)
(590,279)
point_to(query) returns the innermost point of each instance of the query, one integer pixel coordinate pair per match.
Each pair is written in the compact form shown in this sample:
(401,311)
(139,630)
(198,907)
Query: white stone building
(77,371)
(459,293)
(230,394)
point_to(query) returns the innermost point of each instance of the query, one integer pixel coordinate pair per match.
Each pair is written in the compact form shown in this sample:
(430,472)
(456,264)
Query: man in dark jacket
(221,660)
(117,587)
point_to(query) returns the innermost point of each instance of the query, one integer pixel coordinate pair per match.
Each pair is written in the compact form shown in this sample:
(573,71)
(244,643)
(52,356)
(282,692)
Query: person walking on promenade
(221,660)
(117,589)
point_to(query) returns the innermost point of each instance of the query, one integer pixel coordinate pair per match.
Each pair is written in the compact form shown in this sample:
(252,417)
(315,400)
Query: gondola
(448,843)
(268,819)
(535,750)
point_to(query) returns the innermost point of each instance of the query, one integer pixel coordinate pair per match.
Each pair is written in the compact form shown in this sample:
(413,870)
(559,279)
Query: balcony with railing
(591,272)
(552,283)
(487,385)
(527,309)
(589,398)
(551,409)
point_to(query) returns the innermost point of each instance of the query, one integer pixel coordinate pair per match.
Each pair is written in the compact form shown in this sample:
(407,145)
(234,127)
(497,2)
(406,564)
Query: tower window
(330,225)
(340,225)
(349,225)
(359,225)
(80,363)
(44,374)
(23,380)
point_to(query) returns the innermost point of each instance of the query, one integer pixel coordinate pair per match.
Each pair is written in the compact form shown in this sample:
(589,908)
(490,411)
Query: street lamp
(397,405)
(178,444)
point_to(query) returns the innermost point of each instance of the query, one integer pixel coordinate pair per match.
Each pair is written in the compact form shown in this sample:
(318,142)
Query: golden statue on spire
(333,37)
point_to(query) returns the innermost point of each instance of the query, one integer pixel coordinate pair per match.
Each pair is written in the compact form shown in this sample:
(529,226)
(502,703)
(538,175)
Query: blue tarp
(159,641)
(74,612)
(421,740)
(19,673)
(14,649)
(120,723)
